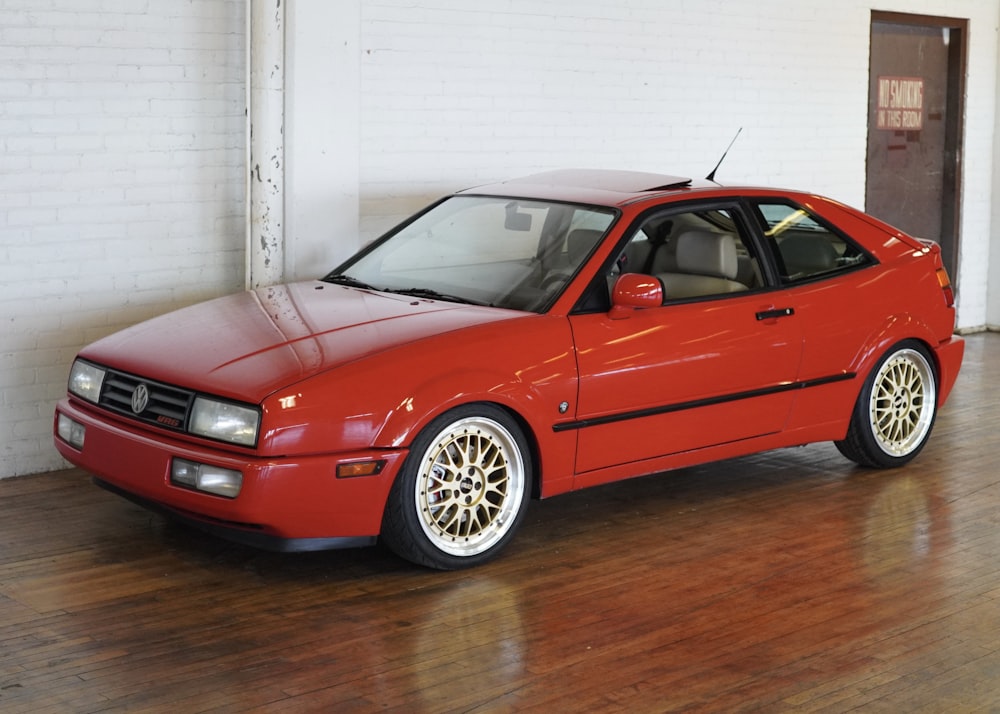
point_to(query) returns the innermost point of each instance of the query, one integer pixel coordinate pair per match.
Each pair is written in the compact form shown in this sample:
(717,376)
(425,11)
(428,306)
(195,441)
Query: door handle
(775,313)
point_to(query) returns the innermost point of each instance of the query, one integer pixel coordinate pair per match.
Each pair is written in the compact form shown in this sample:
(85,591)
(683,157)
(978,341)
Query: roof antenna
(711,176)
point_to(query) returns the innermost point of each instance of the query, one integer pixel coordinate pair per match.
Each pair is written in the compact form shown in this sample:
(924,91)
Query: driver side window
(694,254)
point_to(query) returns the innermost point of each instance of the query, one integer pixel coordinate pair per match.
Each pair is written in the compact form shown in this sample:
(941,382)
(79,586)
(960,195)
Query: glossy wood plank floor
(788,581)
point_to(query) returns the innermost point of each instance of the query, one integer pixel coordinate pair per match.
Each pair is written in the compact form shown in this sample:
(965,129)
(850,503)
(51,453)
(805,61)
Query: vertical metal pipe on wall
(266,149)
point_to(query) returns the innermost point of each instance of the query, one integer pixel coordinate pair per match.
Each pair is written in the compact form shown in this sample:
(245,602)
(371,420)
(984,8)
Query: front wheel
(462,491)
(895,412)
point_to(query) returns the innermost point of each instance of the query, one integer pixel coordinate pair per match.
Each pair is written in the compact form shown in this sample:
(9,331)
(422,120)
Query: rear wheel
(462,491)
(895,412)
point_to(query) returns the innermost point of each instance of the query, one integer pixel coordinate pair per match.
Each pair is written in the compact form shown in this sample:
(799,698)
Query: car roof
(598,186)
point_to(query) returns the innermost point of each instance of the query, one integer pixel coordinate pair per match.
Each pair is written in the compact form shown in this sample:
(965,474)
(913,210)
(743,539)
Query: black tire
(462,491)
(896,409)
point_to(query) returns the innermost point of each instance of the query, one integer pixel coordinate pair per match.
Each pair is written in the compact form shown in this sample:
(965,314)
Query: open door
(915,120)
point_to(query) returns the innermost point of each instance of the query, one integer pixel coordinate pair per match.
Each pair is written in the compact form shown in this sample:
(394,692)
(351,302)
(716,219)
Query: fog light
(72,432)
(203,477)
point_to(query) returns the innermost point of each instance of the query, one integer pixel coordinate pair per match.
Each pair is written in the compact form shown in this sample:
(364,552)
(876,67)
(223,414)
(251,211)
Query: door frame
(954,130)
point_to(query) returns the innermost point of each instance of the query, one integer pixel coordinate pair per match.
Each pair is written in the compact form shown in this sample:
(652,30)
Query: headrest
(707,253)
(808,253)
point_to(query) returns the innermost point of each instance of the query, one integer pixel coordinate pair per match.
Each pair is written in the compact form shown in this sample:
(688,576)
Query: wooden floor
(788,581)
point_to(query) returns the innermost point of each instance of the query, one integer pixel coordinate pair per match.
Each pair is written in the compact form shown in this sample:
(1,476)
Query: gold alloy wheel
(469,486)
(902,403)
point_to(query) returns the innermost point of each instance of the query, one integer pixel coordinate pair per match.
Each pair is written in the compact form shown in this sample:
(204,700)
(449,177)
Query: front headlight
(225,421)
(85,381)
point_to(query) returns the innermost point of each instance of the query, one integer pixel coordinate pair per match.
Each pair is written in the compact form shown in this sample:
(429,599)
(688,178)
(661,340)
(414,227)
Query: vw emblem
(140,399)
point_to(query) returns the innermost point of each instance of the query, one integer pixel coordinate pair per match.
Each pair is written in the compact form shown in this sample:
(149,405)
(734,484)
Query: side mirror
(634,291)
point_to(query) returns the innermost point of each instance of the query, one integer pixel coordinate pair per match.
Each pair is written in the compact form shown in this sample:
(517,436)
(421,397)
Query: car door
(823,273)
(700,370)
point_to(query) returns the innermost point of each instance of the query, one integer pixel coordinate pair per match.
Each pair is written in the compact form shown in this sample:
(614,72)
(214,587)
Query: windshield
(503,252)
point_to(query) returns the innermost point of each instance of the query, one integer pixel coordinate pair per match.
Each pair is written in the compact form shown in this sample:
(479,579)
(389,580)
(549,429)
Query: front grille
(163,405)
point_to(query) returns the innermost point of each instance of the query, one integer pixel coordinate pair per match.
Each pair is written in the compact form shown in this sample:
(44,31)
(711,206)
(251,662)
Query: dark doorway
(915,118)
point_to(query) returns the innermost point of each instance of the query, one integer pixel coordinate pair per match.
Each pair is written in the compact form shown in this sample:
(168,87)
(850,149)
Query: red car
(522,339)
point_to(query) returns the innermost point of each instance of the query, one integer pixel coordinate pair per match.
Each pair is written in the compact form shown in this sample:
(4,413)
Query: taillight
(945,283)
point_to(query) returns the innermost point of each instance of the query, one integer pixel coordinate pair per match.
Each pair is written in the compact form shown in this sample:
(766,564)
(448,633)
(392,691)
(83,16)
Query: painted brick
(116,122)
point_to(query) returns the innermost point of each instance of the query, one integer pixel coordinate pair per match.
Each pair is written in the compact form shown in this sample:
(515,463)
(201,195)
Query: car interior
(694,254)
(702,253)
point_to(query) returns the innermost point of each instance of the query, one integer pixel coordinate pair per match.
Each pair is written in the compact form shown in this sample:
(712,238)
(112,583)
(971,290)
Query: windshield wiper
(348,281)
(434,295)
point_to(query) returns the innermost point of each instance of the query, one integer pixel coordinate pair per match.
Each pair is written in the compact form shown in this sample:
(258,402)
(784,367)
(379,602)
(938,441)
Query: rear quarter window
(805,247)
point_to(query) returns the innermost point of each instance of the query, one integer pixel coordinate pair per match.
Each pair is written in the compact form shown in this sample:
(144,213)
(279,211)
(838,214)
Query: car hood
(248,345)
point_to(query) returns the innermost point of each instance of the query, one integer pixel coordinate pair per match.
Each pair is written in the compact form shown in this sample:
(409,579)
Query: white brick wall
(121,183)
(459,92)
(646,84)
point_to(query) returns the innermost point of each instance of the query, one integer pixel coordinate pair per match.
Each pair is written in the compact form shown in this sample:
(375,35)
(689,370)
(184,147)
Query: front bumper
(285,503)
